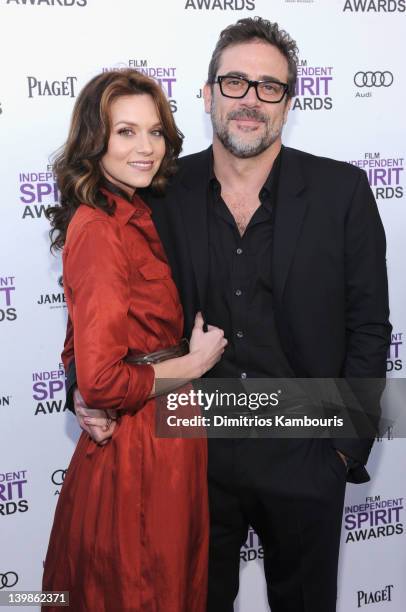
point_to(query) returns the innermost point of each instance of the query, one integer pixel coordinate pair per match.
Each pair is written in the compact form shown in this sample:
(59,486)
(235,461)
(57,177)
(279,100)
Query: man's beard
(235,144)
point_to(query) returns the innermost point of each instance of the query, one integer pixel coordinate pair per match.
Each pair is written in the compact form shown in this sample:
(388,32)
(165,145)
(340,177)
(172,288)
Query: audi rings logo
(8,580)
(58,477)
(373,79)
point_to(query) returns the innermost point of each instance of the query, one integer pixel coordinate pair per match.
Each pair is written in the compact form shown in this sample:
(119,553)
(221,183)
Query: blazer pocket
(154,270)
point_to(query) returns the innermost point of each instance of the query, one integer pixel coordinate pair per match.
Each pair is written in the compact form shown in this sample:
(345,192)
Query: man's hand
(342,456)
(99,424)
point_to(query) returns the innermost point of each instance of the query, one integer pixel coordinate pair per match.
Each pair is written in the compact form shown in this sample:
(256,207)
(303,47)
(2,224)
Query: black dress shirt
(240,286)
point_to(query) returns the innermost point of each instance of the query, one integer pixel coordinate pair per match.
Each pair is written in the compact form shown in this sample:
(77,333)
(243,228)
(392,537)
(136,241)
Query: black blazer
(329,267)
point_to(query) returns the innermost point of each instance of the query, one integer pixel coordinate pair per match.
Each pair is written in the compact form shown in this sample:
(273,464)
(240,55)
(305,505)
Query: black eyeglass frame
(254,84)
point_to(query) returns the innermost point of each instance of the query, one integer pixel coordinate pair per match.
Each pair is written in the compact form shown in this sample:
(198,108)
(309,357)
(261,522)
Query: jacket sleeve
(368,330)
(367,308)
(96,280)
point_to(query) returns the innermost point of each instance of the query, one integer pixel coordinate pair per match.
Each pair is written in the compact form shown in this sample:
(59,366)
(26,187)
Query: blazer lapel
(193,204)
(291,209)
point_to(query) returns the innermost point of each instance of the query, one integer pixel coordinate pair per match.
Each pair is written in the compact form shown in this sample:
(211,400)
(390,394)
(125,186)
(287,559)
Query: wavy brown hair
(77,164)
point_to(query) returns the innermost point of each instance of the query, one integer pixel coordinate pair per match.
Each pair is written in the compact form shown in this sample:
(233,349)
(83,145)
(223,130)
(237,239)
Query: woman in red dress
(130,531)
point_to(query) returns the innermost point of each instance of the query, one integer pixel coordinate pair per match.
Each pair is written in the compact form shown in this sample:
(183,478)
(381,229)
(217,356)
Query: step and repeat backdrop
(349,106)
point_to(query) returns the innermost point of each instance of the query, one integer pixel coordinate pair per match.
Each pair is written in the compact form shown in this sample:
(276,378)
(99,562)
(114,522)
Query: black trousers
(291,491)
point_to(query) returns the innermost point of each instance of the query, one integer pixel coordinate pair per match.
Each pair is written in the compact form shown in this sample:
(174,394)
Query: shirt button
(240,334)
(239,251)
(243,374)
(238,292)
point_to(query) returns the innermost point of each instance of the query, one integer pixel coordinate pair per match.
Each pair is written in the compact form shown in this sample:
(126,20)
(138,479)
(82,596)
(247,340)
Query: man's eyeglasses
(237,87)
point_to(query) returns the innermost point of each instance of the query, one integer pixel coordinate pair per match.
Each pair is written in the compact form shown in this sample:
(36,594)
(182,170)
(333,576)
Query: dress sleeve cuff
(140,386)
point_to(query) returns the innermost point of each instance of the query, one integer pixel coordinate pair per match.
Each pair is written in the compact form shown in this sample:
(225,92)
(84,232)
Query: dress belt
(158,356)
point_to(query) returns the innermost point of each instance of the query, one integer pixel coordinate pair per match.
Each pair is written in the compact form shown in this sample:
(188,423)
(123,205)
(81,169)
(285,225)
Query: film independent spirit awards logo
(165,76)
(48,391)
(394,358)
(376,518)
(313,87)
(8,311)
(252,549)
(79,3)
(386,177)
(374,6)
(13,493)
(222,5)
(37,192)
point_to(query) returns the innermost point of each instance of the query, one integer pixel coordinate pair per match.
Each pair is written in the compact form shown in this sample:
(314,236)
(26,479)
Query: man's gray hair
(251,29)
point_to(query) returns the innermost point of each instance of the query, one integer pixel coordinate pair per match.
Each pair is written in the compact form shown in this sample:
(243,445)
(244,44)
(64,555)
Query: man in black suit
(285,251)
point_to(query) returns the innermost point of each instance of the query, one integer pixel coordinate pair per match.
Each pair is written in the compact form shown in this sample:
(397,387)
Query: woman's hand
(99,424)
(209,346)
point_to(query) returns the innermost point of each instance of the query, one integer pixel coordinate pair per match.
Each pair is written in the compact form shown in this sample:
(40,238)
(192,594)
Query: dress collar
(126,210)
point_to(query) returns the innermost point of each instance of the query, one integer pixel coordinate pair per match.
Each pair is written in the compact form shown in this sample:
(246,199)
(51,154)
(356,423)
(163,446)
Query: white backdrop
(49,49)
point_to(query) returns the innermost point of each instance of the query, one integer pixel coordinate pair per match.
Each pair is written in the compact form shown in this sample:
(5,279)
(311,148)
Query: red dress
(130,532)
